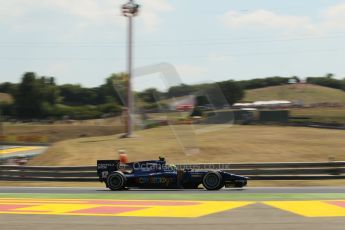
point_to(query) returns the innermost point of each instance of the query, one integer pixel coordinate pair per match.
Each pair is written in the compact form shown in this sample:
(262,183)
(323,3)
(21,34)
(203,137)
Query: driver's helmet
(173,167)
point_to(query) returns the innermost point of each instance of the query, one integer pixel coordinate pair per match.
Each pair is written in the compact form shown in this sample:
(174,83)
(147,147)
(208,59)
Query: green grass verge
(324,115)
(176,196)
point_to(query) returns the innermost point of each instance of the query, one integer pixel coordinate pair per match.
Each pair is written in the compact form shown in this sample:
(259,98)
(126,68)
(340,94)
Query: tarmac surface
(255,216)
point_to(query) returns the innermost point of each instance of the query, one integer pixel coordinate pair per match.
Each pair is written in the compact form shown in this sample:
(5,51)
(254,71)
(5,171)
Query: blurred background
(257,82)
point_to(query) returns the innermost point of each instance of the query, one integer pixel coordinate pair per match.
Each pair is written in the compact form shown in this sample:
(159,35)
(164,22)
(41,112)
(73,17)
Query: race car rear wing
(104,167)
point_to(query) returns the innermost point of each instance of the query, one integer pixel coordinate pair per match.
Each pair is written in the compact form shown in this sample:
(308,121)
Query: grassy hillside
(223,144)
(64,130)
(307,93)
(324,115)
(4,97)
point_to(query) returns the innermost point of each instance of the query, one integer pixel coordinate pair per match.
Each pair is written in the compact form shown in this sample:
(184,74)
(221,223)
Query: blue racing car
(156,174)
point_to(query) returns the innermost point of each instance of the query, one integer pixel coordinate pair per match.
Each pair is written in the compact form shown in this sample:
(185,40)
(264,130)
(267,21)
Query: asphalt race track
(97,190)
(254,217)
(44,211)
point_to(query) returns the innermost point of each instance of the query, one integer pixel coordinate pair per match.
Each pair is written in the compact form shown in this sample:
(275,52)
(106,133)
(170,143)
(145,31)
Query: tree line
(327,81)
(39,97)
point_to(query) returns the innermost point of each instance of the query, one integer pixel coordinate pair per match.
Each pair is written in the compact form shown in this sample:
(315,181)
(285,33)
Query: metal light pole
(129,10)
(1,130)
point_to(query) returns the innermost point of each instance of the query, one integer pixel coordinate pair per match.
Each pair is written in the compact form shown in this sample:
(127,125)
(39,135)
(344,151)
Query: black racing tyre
(116,181)
(213,181)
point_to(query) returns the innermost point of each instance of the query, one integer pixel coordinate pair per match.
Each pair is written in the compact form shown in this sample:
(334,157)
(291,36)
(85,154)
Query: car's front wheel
(213,181)
(116,181)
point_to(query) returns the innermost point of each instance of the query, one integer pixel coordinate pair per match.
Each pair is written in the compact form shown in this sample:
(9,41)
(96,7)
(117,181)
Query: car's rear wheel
(213,181)
(116,181)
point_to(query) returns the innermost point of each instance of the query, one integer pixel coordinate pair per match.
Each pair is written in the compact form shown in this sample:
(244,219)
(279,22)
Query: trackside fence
(256,171)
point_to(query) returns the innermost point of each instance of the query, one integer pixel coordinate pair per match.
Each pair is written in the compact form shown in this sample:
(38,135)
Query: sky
(84,41)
